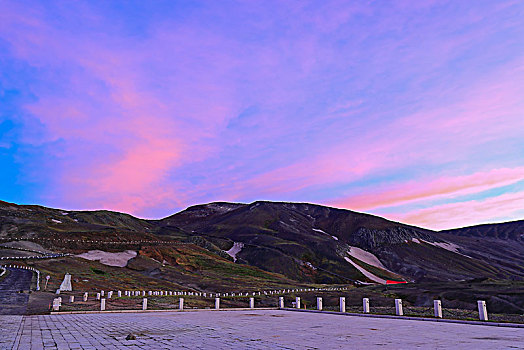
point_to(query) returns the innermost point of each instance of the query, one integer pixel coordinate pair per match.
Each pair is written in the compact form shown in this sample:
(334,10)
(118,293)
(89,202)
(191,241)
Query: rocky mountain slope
(304,242)
(322,244)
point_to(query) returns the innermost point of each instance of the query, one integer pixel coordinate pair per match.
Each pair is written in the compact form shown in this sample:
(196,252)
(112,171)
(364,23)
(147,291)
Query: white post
(217,303)
(144,304)
(85,296)
(181,304)
(297,302)
(71,298)
(319,304)
(102,304)
(251,303)
(280,302)
(365,305)
(437,305)
(483,311)
(398,307)
(342,304)
(56,304)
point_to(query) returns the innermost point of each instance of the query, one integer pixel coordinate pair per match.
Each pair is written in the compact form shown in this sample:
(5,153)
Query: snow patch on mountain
(444,245)
(119,259)
(235,249)
(365,272)
(319,230)
(365,256)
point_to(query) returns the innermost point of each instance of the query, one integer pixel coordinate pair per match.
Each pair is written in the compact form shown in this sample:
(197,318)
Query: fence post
(251,303)
(365,305)
(280,302)
(437,305)
(102,304)
(297,302)
(181,304)
(398,307)
(342,304)
(217,303)
(144,304)
(319,303)
(483,311)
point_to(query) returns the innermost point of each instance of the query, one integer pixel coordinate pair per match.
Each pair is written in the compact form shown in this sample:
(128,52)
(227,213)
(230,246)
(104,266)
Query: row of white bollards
(181,303)
(437,306)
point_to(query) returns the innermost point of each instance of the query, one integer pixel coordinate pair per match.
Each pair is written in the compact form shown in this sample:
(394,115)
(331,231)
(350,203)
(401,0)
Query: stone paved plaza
(260,329)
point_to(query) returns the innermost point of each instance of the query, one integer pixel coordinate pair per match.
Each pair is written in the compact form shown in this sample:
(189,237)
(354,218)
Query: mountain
(299,241)
(322,244)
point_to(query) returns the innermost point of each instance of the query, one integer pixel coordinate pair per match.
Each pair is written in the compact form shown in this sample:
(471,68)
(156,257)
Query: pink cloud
(444,187)
(434,135)
(145,121)
(465,213)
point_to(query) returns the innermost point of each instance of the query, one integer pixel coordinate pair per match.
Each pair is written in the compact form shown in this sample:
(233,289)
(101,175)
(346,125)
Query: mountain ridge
(302,241)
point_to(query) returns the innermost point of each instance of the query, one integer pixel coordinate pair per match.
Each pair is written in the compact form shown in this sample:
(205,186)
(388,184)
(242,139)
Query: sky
(411,110)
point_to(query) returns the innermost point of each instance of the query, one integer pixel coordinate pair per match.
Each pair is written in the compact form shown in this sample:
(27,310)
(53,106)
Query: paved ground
(12,302)
(245,330)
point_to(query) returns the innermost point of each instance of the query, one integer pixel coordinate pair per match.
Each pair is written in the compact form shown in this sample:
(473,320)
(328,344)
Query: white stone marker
(144,304)
(56,304)
(143,293)
(97,296)
(181,304)
(251,303)
(150,293)
(437,305)
(102,304)
(102,293)
(342,304)
(217,303)
(365,305)
(85,296)
(280,302)
(71,298)
(119,294)
(109,294)
(483,311)
(398,307)
(319,304)
(66,284)
(297,302)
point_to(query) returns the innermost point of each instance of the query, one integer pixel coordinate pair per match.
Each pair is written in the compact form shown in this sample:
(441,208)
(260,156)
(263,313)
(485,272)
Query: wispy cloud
(444,187)
(493,209)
